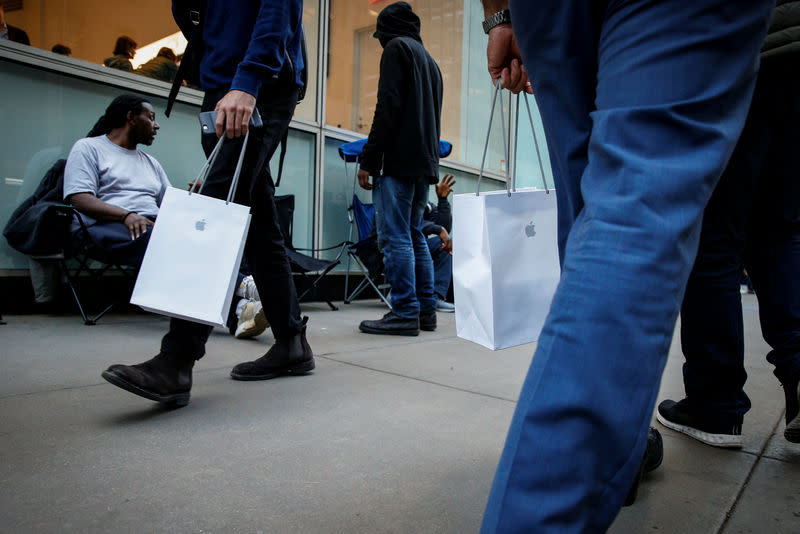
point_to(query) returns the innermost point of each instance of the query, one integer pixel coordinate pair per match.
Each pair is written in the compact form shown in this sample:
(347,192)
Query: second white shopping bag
(192,260)
(505,260)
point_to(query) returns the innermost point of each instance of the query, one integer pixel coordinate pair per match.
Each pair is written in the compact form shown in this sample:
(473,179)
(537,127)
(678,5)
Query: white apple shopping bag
(192,260)
(505,263)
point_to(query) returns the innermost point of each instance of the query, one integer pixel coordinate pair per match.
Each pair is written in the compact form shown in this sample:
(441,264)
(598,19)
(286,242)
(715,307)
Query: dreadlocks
(117,113)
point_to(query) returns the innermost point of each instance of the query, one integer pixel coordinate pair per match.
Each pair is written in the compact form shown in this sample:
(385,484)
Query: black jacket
(437,217)
(784,31)
(18,35)
(404,139)
(35,227)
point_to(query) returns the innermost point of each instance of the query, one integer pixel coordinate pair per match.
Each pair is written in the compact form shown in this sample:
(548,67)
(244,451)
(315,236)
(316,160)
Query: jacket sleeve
(394,75)
(266,52)
(444,215)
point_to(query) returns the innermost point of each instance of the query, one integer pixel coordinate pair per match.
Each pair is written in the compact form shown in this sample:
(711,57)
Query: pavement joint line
(736,500)
(417,379)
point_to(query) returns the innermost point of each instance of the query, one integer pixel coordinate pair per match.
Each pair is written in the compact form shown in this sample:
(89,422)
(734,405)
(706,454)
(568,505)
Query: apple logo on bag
(200,225)
(530,229)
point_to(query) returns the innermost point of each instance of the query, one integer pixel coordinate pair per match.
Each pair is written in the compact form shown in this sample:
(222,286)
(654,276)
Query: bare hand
(505,60)
(233,113)
(447,243)
(191,184)
(363,179)
(137,224)
(445,187)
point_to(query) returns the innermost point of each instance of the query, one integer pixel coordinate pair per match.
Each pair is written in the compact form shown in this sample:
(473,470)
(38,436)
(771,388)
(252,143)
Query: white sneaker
(445,307)
(247,289)
(252,321)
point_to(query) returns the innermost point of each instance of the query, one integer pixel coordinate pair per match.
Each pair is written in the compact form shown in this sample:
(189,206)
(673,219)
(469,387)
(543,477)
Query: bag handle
(497,92)
(510,179)
(535,140)
(206,169)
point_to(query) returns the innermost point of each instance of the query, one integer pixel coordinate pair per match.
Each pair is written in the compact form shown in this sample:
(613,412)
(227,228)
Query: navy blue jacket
(248,42)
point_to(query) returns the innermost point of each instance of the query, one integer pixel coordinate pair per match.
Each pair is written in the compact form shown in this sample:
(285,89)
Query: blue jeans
(399,204)
(638,134)
(752,220)
(442,267)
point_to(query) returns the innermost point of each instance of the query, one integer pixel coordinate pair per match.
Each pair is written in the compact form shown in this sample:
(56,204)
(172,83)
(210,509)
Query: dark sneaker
(391,324)
(677,416)
(792,393)
(427,321)
(164,378)
(292,356)
(653,455)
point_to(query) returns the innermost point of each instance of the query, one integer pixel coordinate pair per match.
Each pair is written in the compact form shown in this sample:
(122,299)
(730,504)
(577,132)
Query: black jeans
(752,220)
(264,250)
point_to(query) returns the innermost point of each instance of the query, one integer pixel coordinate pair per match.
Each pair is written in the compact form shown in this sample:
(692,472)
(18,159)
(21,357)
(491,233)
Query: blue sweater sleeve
(266,52)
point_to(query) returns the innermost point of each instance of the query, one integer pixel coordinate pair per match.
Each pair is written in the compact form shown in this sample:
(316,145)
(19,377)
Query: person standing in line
(753,219)
(642,102)
(124,52)
(163,67)
(402,154)
(252,60)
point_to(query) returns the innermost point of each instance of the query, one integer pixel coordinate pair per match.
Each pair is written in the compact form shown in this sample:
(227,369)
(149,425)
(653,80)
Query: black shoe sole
(398,332)
(175,399)
(427,328)
(296,370)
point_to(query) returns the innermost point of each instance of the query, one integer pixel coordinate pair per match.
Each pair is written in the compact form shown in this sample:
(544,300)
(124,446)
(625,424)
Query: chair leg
(314,285)
(88,321)
(363,284)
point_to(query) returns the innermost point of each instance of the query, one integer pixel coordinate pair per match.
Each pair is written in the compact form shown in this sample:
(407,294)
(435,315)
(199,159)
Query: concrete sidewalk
(387,435)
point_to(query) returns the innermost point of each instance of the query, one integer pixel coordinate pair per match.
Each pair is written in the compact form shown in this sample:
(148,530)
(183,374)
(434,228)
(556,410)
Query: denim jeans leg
(393,199)
(423,264)
(442,268)
(654,151)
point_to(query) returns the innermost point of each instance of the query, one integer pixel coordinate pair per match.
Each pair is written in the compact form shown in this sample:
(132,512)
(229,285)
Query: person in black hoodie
(402,155)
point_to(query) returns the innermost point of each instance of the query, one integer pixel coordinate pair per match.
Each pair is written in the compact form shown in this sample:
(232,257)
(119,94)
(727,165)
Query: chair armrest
(73,212)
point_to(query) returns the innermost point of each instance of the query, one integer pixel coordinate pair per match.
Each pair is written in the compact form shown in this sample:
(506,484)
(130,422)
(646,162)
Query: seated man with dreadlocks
(118,189)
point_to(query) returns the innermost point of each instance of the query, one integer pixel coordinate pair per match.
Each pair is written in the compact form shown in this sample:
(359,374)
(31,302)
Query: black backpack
(190,17)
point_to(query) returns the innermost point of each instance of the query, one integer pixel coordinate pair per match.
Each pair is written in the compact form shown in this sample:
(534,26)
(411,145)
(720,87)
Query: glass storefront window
(90,30)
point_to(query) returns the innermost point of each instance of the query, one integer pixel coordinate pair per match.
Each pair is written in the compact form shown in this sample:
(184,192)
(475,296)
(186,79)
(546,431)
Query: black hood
(397,20)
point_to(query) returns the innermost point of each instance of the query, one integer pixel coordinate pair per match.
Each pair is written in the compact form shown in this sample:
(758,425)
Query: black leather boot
(290,356)
(165,378)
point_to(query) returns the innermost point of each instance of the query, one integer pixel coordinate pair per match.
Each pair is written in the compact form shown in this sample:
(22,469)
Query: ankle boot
(165,378)
(288,356)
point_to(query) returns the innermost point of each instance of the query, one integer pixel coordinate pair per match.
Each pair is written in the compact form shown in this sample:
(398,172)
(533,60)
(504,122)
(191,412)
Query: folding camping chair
(303,264)
(50,241)
(361,217)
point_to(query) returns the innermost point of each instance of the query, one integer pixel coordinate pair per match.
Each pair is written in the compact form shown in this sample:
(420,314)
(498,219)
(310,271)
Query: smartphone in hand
(208,120)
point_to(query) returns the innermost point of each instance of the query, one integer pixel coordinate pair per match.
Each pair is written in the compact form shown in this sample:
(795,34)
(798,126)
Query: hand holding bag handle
(510,179)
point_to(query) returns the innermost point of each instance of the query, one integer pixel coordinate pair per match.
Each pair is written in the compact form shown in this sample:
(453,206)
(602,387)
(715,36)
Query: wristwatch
(501,17)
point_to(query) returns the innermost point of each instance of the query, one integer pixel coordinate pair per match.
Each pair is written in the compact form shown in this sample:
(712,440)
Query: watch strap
(501,17)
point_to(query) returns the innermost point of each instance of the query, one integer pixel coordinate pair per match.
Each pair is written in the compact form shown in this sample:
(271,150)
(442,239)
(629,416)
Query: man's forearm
(90,205)
(490,7)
